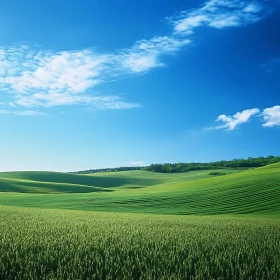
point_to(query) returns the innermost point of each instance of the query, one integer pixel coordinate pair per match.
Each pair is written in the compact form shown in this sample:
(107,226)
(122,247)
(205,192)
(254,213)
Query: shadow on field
(63,182)
(46,187)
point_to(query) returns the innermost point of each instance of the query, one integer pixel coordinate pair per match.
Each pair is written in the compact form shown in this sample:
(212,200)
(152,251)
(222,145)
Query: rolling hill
(248,192)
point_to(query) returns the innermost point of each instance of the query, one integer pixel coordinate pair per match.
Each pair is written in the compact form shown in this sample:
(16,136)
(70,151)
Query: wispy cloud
(146,54)
(29,113)
(57,99)
(23,113)
(46,78)
(231,122)
(218,14)
(32,77)
(271,116)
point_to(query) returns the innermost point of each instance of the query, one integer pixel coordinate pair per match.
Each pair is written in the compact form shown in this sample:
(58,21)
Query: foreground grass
(61,244)
(65,244)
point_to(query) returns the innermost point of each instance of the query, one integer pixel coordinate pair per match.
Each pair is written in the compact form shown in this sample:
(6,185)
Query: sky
(93,84)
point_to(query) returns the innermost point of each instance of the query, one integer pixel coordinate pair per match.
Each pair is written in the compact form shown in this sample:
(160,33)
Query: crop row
(60,244)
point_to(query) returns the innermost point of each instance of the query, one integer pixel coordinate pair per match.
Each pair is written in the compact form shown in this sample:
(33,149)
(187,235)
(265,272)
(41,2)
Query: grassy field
(63,244)
(118,225)
(54,182)
(254,191)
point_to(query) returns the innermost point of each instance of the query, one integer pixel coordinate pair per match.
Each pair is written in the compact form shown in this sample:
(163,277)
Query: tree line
(235,163)
(115,169)
(191,166)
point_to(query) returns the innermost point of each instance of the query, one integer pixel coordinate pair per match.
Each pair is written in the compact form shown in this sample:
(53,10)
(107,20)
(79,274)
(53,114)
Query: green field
(59,244)
(140,225)
(254,191)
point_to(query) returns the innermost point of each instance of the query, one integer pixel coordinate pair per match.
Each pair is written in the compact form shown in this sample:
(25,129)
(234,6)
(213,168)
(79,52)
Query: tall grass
(61,244)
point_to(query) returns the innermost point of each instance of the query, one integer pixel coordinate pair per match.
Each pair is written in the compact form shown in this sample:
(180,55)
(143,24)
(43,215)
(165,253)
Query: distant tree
(235,163)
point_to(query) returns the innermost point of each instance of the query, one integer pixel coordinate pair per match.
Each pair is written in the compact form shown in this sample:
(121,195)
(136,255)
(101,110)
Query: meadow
(65,244)
(253,191)
(141,225)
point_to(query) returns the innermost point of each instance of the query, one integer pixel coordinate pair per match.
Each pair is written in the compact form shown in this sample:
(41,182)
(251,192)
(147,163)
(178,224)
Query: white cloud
(66,71)
(145,54)
(253,8)
(73,71)
(231,122)
(46,78)
(29,113)
(189,22)
(42,78)
(271,116)
(23,113)
(140,62)
(58,99)
(218,14)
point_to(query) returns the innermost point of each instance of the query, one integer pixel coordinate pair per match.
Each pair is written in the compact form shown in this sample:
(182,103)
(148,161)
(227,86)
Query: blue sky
(91,84)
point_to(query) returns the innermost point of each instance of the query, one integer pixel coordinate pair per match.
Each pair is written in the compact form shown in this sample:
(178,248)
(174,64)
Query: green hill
(247,192)
(55,182)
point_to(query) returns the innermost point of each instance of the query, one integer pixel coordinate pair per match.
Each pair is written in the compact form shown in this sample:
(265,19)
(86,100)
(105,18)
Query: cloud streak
(45,78)
(231,122)
(23,113)
(218,14)
(31,78)
(270,117)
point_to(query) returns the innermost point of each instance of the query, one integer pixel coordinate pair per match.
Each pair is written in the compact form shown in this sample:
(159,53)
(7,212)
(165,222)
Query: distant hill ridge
(191,166)
(251,191)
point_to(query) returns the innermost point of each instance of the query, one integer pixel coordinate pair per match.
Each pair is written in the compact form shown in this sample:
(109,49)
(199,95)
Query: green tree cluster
(235,163)
(116,169)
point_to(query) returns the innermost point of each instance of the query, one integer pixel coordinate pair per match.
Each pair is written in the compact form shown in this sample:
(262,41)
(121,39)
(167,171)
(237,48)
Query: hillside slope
(254,191)
(56,182)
